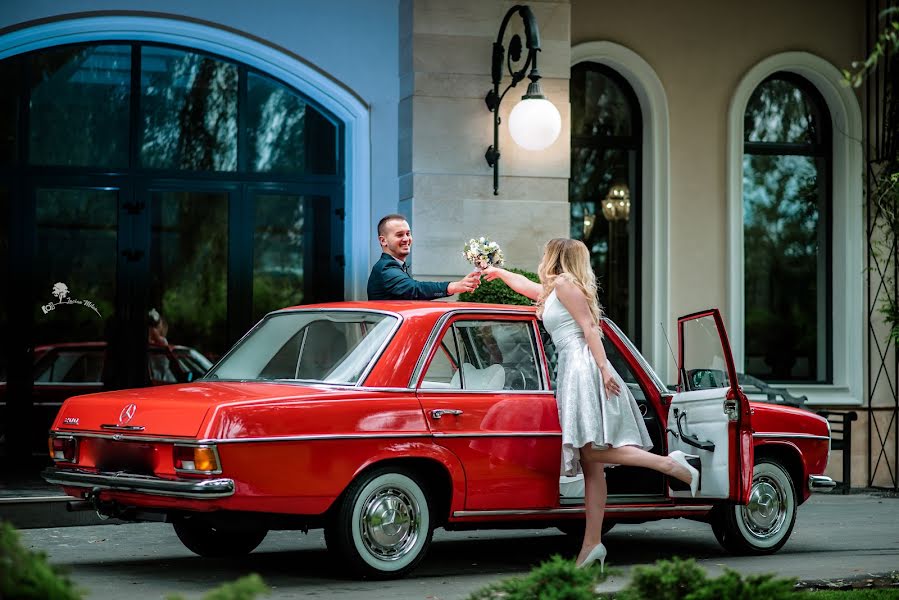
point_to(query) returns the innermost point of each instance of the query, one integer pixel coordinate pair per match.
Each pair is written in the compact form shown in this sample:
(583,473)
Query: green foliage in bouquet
(27,575)
(555,579)
(497,292)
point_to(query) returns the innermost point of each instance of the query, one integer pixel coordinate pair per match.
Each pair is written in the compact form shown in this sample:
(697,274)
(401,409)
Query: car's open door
(709,416)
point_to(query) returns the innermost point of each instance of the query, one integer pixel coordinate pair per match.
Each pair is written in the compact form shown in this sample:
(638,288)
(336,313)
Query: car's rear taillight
(64,448)
(196,459)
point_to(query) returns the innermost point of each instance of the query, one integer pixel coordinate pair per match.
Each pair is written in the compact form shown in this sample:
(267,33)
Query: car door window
(704,360)
(485,355)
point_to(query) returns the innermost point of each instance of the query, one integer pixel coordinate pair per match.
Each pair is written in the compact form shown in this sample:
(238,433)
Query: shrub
(27,575)
(555,579)
(755,587)
(497,292)
(678,579)
(673,579)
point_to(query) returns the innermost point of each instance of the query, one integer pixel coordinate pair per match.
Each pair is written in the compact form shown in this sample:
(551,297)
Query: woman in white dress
(601,423)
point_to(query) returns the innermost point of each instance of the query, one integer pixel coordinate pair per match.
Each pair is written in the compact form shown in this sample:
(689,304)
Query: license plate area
(130,457)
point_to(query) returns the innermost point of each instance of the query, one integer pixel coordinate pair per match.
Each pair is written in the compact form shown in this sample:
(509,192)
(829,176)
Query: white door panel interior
(705,419)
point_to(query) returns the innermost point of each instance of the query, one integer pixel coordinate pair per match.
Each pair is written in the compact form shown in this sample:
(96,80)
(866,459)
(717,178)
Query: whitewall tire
(382,525)
(765,523)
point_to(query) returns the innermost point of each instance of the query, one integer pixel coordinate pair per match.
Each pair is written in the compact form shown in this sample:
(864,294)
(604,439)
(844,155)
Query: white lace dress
(586,413)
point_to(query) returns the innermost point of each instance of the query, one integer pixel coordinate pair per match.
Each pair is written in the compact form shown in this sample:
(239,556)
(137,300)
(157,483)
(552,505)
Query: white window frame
(848,249)
(292,70)
(655,304)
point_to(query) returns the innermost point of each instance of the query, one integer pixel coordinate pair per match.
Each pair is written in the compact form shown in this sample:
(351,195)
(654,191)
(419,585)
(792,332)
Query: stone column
(446,186)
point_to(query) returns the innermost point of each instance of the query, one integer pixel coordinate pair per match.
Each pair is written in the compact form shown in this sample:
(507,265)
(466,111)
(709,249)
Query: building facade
(212,161)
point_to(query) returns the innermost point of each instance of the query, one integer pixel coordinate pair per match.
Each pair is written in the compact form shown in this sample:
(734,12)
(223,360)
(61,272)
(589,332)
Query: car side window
(70,366)
(484,356)
(442,371)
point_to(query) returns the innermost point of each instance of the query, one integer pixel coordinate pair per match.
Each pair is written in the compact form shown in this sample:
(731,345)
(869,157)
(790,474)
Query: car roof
(413,307)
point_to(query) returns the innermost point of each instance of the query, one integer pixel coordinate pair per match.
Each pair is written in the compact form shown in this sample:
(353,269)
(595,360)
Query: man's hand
(468,284)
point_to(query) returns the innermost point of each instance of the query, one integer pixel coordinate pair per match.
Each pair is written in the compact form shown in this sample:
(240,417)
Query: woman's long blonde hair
(565,257)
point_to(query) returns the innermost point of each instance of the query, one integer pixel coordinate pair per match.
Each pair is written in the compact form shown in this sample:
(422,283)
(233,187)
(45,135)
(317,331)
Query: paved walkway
(835,537)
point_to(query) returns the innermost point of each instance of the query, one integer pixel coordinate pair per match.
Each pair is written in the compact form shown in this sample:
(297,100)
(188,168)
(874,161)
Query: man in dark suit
(390,278)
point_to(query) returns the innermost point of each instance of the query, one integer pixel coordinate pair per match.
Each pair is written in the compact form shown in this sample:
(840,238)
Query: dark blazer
(391,280)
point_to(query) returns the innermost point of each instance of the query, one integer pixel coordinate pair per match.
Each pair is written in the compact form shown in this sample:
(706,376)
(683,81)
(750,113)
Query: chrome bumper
(820,482)
(141,484)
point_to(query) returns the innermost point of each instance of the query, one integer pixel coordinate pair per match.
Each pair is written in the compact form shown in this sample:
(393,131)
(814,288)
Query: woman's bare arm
(518,283)
(574,301)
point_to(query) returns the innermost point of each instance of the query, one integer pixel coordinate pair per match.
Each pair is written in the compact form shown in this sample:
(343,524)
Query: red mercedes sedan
(380,421)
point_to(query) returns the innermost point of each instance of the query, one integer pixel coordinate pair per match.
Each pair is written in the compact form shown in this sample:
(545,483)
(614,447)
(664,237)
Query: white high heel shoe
(681,459)
(598,553)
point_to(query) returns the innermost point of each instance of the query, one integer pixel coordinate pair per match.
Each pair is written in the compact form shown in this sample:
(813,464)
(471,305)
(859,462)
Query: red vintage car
(380,421)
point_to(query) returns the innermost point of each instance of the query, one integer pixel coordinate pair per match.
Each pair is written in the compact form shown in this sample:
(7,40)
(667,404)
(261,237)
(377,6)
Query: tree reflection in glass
(188,111)
(785,234)
(279,252)
(80,98)
(285,133)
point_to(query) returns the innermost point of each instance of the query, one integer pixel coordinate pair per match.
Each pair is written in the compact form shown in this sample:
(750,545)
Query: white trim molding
(329,93)
(655,303)
(848,223)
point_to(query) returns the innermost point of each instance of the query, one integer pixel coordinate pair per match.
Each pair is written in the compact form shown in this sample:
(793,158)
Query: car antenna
(667,341)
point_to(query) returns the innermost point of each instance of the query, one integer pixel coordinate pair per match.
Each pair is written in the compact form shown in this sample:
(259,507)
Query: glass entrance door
(188,280)
(74,285)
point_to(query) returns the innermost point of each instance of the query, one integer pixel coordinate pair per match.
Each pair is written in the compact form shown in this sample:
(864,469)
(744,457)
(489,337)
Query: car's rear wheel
(206,540)
(381,527)
(764,525)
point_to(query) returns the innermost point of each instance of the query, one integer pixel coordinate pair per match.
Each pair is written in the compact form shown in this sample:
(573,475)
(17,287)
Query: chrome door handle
(439,412)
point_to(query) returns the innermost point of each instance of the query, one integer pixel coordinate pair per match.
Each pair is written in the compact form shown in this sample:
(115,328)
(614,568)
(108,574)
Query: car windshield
(334,346)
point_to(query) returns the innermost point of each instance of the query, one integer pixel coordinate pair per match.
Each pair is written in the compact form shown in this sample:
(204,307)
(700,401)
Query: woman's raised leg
(633,456)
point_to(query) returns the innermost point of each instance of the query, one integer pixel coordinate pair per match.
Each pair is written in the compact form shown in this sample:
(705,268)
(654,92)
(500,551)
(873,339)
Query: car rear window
(314,345)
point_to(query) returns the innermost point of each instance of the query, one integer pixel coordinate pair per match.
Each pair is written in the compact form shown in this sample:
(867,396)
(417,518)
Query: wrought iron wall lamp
(534,122)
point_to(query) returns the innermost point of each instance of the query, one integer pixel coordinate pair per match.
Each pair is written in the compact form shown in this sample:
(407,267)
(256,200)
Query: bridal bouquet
(483,253)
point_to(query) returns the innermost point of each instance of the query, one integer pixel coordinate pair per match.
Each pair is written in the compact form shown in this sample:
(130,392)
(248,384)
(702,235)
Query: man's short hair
(383,222)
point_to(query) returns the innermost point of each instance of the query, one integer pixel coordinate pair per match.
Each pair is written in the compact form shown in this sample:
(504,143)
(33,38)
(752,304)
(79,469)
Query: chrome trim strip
(427,390)
(790,436)
(435,331)
(125,438)
(31,499)
(438,434)
(291,438)
(820,482)
(122,427)
(142,484)
(569,511)
(303,438)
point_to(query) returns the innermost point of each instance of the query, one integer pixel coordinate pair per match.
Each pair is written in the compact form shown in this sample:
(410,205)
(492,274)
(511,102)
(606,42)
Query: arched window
(604,188)
(787,239)
(151,176)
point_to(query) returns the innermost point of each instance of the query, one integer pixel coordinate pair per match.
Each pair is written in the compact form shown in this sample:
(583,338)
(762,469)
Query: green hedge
(27,575)
(497,292)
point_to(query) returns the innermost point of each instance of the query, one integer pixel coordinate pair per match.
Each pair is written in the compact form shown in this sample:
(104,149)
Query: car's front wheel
(381,527)
(764,524)
(206,540)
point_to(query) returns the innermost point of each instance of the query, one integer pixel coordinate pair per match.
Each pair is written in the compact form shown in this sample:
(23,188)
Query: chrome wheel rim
(390,523)
(766,512)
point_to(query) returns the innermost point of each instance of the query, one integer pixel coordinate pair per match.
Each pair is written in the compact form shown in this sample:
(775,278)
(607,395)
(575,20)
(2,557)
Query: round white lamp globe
(535,123)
